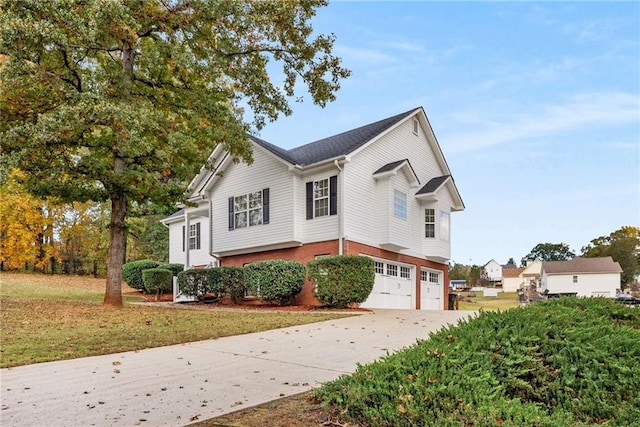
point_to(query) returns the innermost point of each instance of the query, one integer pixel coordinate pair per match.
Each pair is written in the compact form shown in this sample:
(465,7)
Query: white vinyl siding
(199,256)
(360,187)
(238,180)
(320,228)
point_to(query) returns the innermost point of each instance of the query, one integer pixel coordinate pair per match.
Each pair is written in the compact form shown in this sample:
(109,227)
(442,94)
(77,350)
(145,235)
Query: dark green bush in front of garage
(232,282)
(277,280)
(342,280)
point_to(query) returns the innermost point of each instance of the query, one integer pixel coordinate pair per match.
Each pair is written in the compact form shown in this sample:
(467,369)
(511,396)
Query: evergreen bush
(343,279)
(569,361)
(174,268)
(132,272)
(278,280)
(232,282)
(199,282)
(157,281)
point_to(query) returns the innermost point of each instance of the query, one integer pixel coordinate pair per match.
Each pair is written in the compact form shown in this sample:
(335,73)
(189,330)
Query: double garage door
(394,287)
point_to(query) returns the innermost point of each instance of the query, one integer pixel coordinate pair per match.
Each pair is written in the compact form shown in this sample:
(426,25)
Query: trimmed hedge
(174,268)
(132,272)
(157,280)
(199,282)
(343,279)
(275,280)
(564,362)
(232,279)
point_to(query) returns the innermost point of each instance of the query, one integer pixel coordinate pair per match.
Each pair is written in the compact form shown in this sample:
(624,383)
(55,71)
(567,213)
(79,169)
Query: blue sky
(535,106)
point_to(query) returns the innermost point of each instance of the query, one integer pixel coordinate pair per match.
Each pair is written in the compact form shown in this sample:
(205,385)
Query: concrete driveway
(181,384)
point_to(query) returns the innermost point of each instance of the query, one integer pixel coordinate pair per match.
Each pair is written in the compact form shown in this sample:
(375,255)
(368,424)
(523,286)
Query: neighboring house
(383,190)
(492,272)
(512,279)
(519,277)
(584,277)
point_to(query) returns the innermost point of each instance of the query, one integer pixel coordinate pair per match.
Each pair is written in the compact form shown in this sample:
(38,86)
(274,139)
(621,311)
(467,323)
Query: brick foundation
(310,251)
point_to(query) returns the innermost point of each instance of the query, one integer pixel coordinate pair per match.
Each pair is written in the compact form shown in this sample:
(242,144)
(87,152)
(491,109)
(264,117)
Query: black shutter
(310,200)
(231,213)
(265,206)
(183,238)
(333,195)
(198,235)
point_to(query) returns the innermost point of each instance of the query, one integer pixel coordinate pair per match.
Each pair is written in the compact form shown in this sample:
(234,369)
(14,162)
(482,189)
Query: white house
(383,190)
(492,271)
(584,277)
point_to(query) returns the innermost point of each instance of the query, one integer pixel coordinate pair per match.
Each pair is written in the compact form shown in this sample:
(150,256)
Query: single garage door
(393,286)
(431,290)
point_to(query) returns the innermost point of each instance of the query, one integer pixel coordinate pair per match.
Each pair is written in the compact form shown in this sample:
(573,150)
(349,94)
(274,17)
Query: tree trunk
(117,231)
(117,250)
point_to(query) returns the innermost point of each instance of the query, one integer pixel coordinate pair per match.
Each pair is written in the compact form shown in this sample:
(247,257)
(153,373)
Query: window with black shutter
(248,210)
(322,197)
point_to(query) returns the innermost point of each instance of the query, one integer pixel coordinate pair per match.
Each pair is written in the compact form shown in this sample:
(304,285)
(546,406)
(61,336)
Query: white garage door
(393,286)
(431,290)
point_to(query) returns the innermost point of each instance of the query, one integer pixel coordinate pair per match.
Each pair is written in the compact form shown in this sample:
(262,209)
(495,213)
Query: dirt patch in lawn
(293,411)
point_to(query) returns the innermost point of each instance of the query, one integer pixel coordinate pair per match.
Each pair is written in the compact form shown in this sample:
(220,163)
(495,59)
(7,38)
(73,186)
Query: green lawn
(504,301)
(45,318)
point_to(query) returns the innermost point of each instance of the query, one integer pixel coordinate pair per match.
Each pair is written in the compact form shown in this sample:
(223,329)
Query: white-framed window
(321,198)
(405,272)
(392,270)
(194,236)
(445,227)
(575,279)
(379,267)
(399,204)
(430,223)
(430,276)
(416,126)
(247,210)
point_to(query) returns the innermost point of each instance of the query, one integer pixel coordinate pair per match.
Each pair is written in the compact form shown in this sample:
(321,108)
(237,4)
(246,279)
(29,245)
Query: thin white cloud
(363,55)
(494,128)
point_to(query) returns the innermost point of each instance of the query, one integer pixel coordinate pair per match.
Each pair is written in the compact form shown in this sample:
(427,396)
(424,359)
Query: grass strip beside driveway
(43,321)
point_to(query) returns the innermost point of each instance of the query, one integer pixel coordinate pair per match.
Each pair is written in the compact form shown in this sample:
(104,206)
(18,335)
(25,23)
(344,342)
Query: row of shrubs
(150,276)
(339,280)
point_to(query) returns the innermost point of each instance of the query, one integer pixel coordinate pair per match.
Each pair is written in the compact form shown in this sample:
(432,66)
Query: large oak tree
(123,101)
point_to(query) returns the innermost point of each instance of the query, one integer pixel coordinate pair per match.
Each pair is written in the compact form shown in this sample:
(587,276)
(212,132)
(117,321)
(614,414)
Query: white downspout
(340,208)
(186,241)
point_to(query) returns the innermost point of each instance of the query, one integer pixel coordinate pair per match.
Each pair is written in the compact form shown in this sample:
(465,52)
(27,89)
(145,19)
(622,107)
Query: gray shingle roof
(433,184)
(390,166)
(333,146)
(582,265)
(173,216)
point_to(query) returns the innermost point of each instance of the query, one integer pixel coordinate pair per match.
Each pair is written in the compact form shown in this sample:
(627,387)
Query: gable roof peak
(346,142)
